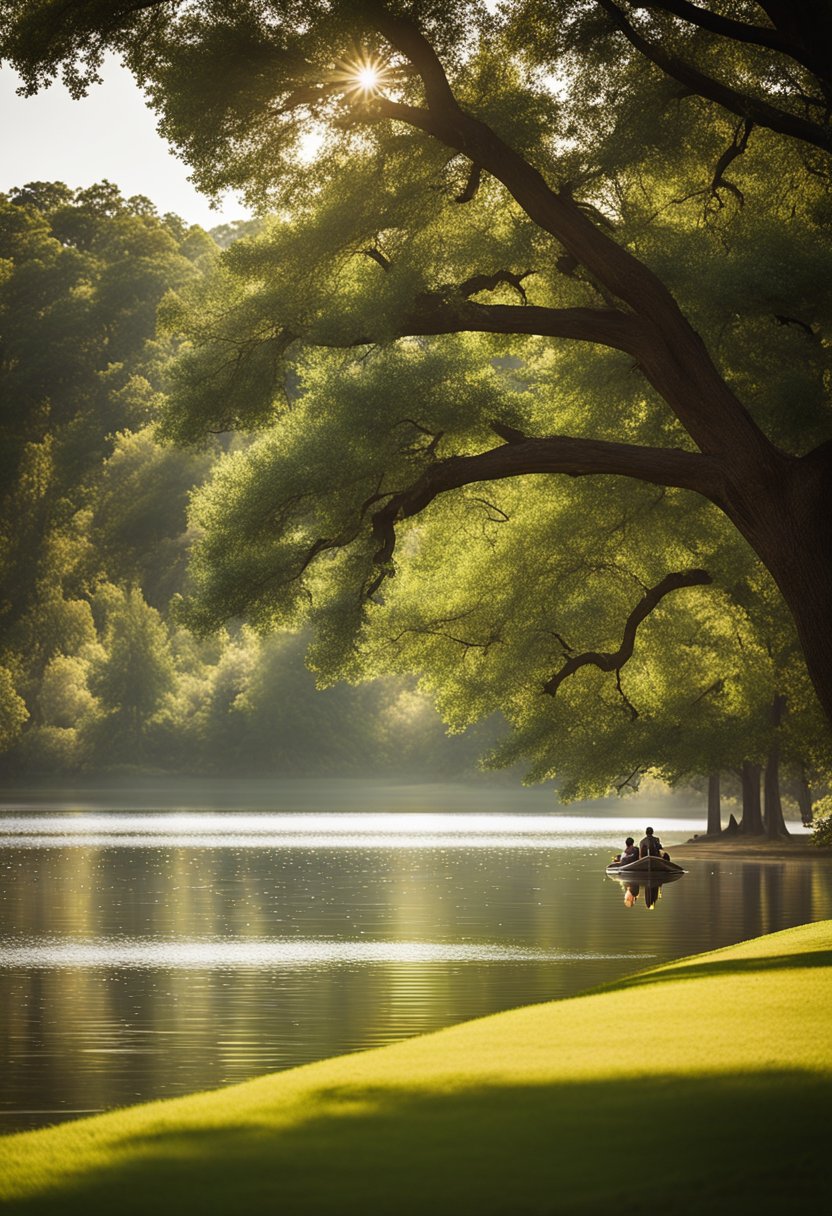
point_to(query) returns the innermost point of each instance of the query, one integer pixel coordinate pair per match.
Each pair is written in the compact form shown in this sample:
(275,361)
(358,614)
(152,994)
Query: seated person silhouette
(651,846)
(628,853)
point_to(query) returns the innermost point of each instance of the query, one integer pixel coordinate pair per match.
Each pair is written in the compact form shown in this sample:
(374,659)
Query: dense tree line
(94,670)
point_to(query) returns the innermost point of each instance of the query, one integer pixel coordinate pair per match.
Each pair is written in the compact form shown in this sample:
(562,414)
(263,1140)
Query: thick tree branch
(554,454)
(471,186)
(406,36)
(614,660)
(741,31)
(742,104)
(435,314)
(446,313)
(673,356)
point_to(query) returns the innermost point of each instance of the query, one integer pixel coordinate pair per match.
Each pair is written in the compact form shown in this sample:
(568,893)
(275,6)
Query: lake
(146,952)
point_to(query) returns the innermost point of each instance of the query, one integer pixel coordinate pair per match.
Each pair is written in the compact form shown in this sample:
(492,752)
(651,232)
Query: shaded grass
(713,1090)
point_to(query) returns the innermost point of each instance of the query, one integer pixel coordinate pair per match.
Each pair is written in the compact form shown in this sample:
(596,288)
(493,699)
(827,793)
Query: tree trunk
(752,818)
(775,823)
(788,527)
(804,797)
(714,807)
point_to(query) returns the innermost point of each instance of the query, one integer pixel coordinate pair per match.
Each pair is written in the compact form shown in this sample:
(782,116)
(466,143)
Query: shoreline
(755,848)
(493,1115)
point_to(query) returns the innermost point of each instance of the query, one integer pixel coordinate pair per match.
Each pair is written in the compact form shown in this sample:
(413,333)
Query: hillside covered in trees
(96,673)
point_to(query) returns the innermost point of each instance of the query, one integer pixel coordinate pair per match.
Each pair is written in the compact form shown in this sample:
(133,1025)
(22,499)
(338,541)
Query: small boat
(643,869)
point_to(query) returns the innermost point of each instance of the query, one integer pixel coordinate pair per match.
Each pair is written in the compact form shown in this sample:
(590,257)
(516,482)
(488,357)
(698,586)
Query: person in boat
(628,853)
(651,846)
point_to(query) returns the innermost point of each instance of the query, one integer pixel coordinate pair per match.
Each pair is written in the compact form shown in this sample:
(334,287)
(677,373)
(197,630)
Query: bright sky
(110,133)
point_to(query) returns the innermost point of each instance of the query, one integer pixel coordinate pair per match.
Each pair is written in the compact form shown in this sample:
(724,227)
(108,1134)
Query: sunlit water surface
(144,955)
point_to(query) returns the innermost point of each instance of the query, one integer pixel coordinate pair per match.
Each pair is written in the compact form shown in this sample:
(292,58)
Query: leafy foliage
(577,171)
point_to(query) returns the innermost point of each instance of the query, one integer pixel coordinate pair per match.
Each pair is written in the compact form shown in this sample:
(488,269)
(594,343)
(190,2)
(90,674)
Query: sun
(367,79)
(362,75)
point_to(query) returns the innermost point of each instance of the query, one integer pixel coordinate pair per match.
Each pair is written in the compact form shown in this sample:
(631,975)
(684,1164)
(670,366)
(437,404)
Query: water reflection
(650,890)
(230,955)
(303,831)
(144,967)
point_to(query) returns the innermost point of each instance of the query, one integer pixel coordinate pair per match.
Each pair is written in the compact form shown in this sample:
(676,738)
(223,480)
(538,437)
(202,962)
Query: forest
(97,674)
(430,432)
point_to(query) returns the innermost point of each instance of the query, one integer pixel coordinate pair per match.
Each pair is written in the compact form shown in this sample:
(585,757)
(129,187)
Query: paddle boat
(645,869)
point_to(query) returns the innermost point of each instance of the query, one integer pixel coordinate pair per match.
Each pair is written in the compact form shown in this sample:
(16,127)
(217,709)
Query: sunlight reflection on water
(304,831)
(291,952)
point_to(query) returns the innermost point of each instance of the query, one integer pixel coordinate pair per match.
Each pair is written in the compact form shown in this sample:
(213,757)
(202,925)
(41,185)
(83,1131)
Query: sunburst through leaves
(362,75)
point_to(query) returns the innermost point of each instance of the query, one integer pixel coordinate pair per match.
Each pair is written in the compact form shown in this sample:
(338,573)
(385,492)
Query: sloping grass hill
(702,1086)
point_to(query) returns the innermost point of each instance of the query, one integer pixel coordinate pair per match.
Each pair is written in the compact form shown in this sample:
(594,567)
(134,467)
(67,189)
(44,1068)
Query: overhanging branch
(436,314)
(744,105)
(554,454)
(449,312)
(614,660)
(775,39)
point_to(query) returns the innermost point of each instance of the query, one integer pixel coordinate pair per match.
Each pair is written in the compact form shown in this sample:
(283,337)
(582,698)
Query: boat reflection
(650,888)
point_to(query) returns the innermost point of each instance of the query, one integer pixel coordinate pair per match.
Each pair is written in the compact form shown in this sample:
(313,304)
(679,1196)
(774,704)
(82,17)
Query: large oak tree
(582,239)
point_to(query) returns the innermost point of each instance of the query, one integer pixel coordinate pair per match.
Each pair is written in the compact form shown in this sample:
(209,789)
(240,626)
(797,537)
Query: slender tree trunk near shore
(752,817)
(804,797)
(714,806)
(774,821)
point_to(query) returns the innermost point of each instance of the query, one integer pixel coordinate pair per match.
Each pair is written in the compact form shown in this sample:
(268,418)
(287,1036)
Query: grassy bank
(703,1085)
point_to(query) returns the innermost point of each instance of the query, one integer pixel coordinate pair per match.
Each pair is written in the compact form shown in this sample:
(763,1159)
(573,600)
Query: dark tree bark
(804,797)
(714,806)
(745,105)
(752,816)
(774,822)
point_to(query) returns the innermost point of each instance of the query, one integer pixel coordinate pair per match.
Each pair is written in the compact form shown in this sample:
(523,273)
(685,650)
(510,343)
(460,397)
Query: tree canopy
(539,326)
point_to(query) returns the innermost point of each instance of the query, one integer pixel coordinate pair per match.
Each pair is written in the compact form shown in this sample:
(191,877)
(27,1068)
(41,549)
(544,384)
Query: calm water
(147,954)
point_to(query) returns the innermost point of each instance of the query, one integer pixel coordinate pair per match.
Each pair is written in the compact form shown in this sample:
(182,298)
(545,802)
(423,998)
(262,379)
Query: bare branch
(715,688)
(436,313)
(614,660)
(409,39)
(499,515)
(509,433)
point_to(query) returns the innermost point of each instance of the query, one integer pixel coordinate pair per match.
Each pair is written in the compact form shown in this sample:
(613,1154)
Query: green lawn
(701,1086)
